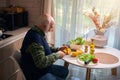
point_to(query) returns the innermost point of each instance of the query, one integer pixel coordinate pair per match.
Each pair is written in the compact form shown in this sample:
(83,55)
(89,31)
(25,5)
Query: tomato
(95,60)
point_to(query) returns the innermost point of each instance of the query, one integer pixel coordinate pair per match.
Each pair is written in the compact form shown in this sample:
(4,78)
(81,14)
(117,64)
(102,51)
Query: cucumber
(87,61)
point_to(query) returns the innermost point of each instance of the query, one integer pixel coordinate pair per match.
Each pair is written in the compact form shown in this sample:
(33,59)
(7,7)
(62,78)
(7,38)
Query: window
(70,21)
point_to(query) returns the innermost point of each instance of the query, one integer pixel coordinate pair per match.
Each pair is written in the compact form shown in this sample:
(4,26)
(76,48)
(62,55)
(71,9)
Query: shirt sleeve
(39,57)
(53,49)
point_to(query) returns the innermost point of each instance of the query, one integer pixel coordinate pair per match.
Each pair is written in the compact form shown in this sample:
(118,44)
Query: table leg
(114,71)
(88,73)
(66,64)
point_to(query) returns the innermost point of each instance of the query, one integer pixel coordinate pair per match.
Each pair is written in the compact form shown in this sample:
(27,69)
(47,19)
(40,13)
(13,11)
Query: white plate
(90,64)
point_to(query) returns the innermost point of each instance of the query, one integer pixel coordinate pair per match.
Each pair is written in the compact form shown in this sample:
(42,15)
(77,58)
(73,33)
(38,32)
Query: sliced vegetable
(77,41)
(84,57)
(74,54)
(67,51)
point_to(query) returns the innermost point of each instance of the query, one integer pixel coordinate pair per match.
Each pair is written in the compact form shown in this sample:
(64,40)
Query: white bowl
(75,47)
(99,40)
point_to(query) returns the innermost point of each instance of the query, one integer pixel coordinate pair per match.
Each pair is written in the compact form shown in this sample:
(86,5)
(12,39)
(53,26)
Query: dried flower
(95,17)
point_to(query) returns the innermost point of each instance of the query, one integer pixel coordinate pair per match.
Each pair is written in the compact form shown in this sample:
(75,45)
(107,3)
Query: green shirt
(38,53)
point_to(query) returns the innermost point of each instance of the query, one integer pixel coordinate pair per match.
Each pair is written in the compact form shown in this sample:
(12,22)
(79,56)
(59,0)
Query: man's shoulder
(33,36)
(32,33)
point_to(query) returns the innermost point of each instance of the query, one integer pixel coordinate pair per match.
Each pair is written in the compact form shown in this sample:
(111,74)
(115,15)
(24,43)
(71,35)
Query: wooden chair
(10,69)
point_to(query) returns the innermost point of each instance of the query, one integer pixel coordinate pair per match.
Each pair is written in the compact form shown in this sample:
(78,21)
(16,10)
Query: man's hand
(62,54)
(62,48)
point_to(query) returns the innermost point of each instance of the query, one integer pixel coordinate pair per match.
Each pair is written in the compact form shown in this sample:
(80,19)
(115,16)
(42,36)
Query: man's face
(48,28)
(45,28)
(51,28)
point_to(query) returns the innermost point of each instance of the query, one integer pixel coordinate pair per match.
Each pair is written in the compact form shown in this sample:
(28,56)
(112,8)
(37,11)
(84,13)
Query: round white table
(111,52)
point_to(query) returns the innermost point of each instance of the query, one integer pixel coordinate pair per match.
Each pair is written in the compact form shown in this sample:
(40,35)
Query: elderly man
(37,57)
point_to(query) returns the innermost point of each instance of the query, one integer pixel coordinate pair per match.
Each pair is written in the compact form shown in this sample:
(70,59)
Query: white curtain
(117,35)
(71,23)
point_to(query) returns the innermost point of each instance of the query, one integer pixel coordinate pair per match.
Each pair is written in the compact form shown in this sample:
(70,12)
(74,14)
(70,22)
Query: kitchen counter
(17,34)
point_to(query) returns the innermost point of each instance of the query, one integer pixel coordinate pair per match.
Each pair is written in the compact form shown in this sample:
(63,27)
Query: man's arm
(38,54)
(53,49)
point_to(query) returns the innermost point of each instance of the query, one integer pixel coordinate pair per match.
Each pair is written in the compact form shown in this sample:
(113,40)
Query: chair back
(10,70)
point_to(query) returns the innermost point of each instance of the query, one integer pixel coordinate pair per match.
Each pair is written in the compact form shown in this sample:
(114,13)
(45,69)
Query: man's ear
(51,29)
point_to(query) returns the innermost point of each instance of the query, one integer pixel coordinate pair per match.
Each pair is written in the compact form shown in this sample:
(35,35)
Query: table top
(107,50)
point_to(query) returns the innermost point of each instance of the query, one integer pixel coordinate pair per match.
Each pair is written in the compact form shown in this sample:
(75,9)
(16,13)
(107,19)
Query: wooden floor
(77,73)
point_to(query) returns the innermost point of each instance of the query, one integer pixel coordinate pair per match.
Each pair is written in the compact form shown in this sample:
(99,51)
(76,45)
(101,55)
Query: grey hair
(44,19)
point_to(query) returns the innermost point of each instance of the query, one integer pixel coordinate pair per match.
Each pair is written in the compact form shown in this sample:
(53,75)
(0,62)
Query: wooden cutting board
(106,58)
